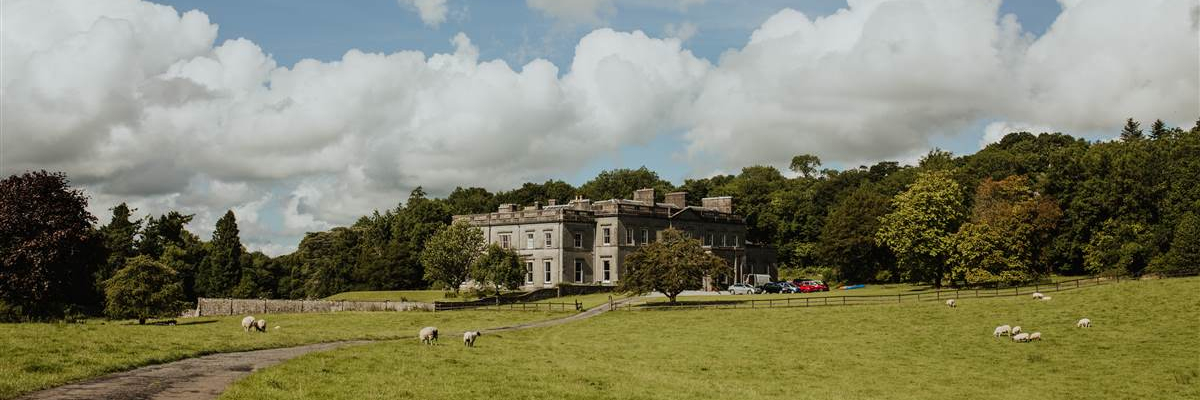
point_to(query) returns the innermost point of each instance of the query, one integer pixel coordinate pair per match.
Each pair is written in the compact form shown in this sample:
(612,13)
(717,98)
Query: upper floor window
(708,239)
(529,243)
(578,240)
(628,235)
(645,236)
(505,241)
(724,240)
(549,239)
(735,241)
(607,236)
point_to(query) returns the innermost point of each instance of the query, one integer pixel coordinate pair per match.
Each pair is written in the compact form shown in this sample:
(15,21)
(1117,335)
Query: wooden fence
(935,296)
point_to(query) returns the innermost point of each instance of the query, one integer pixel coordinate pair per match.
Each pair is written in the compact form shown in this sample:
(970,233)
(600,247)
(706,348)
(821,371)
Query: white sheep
(1038,295)
(260,325)
(1046,298)
(428,335)
(1084,323)
(951,303)
(469,338)
(1016,330)
(1035,336)
(1002,330)
(1021,337)
(247,323)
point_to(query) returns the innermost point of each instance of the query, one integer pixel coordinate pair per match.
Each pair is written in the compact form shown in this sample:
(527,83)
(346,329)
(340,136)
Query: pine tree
(119,237)
(1131,131)
(221,270)
(1158,130)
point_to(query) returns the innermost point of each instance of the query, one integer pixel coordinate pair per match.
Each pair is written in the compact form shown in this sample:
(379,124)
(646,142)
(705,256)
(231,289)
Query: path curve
(206,377)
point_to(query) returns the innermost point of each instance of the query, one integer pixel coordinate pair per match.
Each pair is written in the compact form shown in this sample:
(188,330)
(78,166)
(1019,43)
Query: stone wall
(209,307)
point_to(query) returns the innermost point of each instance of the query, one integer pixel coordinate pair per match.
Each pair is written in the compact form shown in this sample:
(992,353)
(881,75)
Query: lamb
(428,335)
(1016,330)
(469,338)
(1021,337)
(1002,330)
(260,325)
(1084,323)
(951,303)
(1035,336)
(247,323)
(1038,295)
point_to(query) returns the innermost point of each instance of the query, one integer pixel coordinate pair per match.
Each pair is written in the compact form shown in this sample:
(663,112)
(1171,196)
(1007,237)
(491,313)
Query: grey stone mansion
(587,242)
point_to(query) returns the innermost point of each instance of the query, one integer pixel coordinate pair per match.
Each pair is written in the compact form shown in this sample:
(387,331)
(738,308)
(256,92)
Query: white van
(757,280)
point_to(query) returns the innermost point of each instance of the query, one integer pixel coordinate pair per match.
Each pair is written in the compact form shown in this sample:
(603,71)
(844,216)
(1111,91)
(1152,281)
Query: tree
(1159,130)
(143,289)
(847,240)
(919,229)
(620,184)
(1132,131)
(669,266)
(119,240)
(805,165)
(222,268)
(499,267)
(161,231)
(1184,255)
(48,248)
(450,253)
(471,200)
(1119,247)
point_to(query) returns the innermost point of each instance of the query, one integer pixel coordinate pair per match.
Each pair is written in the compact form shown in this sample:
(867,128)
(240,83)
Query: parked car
(810,285)
(788,287)
(824,287)
(743,288)
(772,287)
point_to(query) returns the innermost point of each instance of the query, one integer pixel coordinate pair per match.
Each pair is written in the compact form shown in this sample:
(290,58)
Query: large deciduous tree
(499,267)
(919,228)
(451,252)
(847,240)
(669,266)
(49,250)
(620,184)
(143,289)
(1003,242)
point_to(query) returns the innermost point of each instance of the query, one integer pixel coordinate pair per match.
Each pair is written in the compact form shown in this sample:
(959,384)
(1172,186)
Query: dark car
(788,287)
(772,287)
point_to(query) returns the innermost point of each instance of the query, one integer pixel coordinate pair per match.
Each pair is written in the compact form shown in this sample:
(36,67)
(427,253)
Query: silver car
(742,288)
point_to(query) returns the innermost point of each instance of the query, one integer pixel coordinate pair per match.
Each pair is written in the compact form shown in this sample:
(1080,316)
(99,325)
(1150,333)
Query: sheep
(469,338)
(1038,295)
(247,323)
(1046,298)
(1084,323)
(1002,330)
(1016,330)
(1035,336)
(260,325)
(1021,337)
(428,335)
(951,303)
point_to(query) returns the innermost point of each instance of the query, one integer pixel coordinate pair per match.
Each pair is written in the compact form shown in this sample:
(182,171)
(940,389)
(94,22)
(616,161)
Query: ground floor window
(547,271)
(607,271)
(578,270)
(529,272)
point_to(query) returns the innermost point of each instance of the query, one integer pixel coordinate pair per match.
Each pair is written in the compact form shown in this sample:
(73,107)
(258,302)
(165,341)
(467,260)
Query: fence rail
(900,298)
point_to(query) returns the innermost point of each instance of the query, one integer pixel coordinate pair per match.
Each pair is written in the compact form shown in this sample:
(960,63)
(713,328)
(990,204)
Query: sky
(304,115)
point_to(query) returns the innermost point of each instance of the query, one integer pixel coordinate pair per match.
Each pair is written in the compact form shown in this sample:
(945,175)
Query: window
(505,241)
(529,243)
(645,236)
(578,270)
(607,236)
(628,235)
(724,240)
(547,262)
(578,240)
(735,241)
(528,272)
(607,271)
(708,239)
(549,239)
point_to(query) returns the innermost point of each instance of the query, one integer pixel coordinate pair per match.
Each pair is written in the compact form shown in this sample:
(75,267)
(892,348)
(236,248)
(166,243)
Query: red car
(809,286)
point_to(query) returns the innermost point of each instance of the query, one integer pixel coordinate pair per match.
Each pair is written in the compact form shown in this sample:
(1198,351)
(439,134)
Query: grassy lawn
(1143,344)
(37,355)
(424,296)
(588,300)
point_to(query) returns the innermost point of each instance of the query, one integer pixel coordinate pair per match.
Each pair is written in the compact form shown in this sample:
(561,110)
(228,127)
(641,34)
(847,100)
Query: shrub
(144,289)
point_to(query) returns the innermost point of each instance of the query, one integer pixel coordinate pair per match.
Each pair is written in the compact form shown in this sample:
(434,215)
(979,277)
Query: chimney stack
(507,207)
(552,202)
(677,199)
(644,196)
(723,204)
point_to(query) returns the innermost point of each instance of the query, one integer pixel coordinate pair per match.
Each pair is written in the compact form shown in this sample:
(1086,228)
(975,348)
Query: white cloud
(166,119)
(683,31)
(432,12)
(995,131)
(595,11)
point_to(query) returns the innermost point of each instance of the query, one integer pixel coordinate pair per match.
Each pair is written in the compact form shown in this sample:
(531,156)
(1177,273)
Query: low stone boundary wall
(209,307)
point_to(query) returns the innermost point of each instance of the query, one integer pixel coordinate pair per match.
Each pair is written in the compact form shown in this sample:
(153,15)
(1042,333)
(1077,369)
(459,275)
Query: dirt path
(206,377)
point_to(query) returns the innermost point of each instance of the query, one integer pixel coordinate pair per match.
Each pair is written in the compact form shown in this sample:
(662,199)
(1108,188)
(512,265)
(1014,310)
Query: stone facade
(587,242)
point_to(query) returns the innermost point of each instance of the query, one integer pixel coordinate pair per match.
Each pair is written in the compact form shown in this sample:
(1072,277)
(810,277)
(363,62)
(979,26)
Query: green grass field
(424,296)
(1144,344)
(588,300)
(39,355)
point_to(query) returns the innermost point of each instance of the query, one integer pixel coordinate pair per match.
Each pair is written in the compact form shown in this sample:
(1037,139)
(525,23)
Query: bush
(144,289)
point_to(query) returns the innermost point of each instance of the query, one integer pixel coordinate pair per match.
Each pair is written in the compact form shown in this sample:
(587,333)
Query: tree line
(1019,209)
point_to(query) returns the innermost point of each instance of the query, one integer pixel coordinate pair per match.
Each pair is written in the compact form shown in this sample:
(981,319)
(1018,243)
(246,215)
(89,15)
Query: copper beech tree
(669,266)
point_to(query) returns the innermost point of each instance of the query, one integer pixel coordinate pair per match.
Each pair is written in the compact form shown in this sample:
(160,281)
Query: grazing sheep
(469,338)
(1002,330)
(1038,295)
(1021,337)
(247,323)
(1084,323)
(1016,330)
(1035,336)
(260,325)
(428,335)
(951,303)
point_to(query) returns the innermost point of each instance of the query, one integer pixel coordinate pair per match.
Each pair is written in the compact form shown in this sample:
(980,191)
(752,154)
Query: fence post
(938,294)
(264,306)
(806,301)
(230,306)
(1058,286)
(897,298)
(843,300)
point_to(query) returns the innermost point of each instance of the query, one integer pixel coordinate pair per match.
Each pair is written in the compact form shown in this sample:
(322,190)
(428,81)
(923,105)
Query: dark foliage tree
(221,269)
(1131,131)
(472,200)
(919,228)
(669,266)
(805,164)
(120,237)
(620,184)
(499,267)
(143,289)
(49,250)
(847,241)
(451,252)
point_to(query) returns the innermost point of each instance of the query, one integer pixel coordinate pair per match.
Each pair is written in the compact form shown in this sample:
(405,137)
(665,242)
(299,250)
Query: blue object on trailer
(853,287)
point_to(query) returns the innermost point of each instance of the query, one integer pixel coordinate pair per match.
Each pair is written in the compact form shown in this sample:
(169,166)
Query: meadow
(41,355)
(423,296)
(1144,344)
